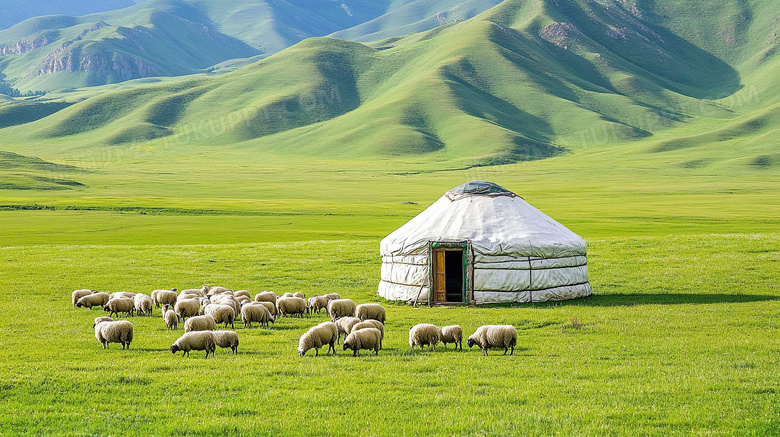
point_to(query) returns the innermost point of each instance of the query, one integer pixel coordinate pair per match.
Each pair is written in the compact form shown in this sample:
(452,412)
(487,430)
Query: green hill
(15,11)
(523,81)
(180,37)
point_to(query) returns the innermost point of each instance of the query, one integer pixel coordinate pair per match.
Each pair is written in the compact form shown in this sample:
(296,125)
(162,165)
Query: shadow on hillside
(661,299)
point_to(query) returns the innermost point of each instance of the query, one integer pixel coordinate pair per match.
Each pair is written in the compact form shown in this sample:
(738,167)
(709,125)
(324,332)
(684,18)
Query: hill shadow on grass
(608,300)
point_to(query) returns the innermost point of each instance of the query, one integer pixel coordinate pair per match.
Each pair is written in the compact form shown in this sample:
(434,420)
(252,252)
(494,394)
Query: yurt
(481,243)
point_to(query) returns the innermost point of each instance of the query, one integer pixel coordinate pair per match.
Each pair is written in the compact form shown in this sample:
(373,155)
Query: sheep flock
(200,312)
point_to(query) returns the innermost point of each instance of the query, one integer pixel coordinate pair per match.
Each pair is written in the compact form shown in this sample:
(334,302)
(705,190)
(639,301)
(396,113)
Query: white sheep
(291,306)
(126,294)
(200,323)
(423,334)
(240,293)
(120,305)
(78,294)
(317,303)
(288,294)
(318,336)
(494,336)
(143,304)
(345,325)
(101,319)
(371,323)
(120,331)
(195,341)
(216,289)
(256,313)
(266,296)
(299,294)
(170,317)
(333,296)
(270,305)
(374,311)
(368,338)
(227,339)
(221,313)
(92,300)
(187,308)
(340,308)
(227,299)
(452,334)
(163,297)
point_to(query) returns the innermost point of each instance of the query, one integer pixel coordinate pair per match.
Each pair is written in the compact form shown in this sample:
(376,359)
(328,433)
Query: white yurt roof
(495,221)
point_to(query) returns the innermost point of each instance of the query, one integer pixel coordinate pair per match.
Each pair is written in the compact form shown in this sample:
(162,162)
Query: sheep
(256,313)
(143,304)
(240,293)
(221,313)
(120,331)
(451,334)
(162,297)
(227,299)
(318,336)
(288,294)
(195,341)
(227,339)
(266,296)
(92,300)
(367,338)
(340,308)
(189,293)
(370,311)
(317,303)
(116,294)
(78,294)
(187,308)
(370,323)
(120,305)
(170,317)
(243,300)
(423,334)
(496,336)
(270,305)
(200,323)
(101,319)
(345,325)
(333,296)
(299,294)
(291,306)
(215,290)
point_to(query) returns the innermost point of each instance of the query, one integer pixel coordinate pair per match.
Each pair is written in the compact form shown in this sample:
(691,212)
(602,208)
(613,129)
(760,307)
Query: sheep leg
(484,351)
(513,351)
(316,352)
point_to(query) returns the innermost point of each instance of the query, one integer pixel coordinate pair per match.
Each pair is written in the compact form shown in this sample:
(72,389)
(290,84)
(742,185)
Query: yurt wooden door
(449,264)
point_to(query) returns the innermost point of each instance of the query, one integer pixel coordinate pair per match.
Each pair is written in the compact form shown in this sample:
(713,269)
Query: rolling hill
(15,11)
(179,37)
(522,81)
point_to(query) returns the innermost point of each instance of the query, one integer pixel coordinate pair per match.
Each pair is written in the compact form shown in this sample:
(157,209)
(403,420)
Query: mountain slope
(178,37)
(15,11)
(525,80)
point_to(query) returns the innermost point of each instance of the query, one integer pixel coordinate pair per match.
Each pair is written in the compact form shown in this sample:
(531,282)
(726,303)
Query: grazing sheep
(92,300)
(240,293)
(317,303)
(116,294)
(120,305)
(101,319)
(423,334)
(78,294)
(243,300)
(495,336)
(266,296)
(333,296)
(195,341)
(200,323)
(270,305)
(143,304)
(216,290)
(340,308)
(291,306)
(318,336)
(221,313)
(187,308)
(451,334)
(170,317)
(299,294)
(370,323)
(120,331)
(367,338)
(288,294)
(345,325)
(163,297)
(373,311)
(189,293)
(256,313)
(227,299)
(227,339)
